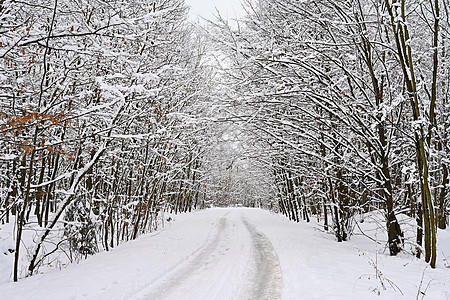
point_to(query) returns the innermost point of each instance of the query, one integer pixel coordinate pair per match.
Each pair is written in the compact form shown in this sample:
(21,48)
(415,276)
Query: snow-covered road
(266,276)
(218,255)
(237,253)
(233,249)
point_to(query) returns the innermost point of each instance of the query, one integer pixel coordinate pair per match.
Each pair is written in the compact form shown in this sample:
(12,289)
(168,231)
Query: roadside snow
(240,253)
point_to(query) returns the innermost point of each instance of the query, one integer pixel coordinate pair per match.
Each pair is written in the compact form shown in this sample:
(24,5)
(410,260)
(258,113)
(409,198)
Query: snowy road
(234,249)
(266,283)
(219,255)
(237,254)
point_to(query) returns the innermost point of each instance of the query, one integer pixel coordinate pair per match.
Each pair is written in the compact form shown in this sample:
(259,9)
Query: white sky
(229,9)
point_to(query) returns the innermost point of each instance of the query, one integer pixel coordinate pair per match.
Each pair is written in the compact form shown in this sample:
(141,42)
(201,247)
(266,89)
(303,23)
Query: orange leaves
(53,120)
(14,125)
(26,147)
(17,123)
(19,127)
(27,117)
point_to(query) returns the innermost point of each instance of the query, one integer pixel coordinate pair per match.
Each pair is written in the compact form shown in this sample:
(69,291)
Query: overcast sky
(229,9)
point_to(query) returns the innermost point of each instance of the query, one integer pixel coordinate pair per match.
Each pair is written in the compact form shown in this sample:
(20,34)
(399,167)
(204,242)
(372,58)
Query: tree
(108,138)
(323,84)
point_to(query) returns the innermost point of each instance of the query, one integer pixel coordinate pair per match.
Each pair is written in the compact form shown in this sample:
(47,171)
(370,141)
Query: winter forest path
(237,253)
(217,255)
(234,250)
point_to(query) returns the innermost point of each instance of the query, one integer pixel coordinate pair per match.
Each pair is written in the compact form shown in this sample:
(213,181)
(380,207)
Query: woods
(349,99)
(99,102)
(113,113)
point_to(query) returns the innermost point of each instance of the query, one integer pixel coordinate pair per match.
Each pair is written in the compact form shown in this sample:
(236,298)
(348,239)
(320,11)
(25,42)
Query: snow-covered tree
(100,122)
(325,86)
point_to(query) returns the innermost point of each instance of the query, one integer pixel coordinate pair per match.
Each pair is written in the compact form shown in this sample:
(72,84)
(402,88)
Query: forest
(113,113)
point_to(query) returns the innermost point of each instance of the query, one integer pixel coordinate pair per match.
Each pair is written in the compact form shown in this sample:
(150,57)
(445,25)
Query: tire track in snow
(173,278)
(266,281)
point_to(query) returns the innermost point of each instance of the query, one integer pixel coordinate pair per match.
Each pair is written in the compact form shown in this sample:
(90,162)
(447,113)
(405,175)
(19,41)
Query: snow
(240,253)
(8,157)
